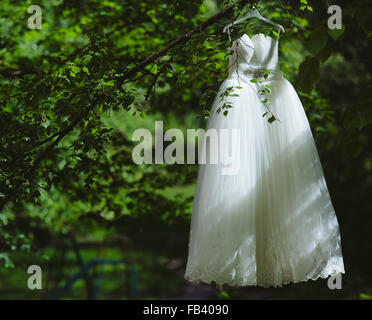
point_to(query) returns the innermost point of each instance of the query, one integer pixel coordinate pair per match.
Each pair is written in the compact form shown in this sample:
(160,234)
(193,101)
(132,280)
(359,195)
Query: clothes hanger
(254,13)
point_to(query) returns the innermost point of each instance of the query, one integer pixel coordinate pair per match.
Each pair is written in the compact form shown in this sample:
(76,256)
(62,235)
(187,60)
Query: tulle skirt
(272,222)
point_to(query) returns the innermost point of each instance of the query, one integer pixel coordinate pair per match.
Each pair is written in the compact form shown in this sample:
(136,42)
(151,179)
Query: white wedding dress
(273,222)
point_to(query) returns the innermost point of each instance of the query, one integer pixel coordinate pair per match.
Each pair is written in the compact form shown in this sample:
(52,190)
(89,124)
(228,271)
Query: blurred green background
(69,190)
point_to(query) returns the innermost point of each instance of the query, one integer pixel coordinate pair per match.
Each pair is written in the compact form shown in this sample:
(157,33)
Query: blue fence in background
(58,293)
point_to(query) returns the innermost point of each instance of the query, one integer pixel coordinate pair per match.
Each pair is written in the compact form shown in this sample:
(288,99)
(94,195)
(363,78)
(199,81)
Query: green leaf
(85,69)
(154,68)
(223,294)
(75,69)
(271,119)
(86,59)
(336,33)
(364,296)
(110,83)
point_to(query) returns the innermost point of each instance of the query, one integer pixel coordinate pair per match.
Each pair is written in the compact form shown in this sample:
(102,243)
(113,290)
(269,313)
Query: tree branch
(182,39)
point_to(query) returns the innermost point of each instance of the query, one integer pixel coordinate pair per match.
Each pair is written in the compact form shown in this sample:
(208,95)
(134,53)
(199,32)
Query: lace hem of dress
(334,267)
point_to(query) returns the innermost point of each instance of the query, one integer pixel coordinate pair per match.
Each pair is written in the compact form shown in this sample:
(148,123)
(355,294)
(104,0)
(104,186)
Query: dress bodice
(251,55)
